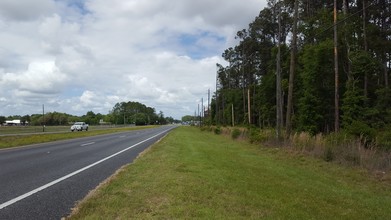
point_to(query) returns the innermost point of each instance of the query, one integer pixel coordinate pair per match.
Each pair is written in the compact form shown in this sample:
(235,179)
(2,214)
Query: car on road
(79,126)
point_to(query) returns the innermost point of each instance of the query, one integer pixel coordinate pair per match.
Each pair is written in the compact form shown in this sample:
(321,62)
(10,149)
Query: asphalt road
(45,181)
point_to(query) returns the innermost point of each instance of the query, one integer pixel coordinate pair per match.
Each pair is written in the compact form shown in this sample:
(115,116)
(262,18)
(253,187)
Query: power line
(343,20)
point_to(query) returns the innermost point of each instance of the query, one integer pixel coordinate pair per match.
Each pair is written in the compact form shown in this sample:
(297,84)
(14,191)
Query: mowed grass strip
(9,141)
(194,174)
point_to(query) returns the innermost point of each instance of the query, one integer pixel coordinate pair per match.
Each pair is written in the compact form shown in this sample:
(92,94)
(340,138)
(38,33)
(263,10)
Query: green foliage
(316,97)
(139,119)
(256,135)
(381,113)
(235,133)
(2,119)
(384,140)
(353,105)
(129,112)
(360,129)
(217,130)
(363,66)
(188,118)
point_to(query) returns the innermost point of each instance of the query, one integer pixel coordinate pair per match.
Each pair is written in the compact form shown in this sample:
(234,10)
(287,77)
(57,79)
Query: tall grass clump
(345,149)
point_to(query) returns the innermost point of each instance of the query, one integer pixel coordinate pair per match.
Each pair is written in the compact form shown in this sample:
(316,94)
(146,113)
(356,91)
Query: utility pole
(249,106)
(278,78)
(202,111)
(233,117)
(209,113)
(336,94)
(43,118)
(199,116)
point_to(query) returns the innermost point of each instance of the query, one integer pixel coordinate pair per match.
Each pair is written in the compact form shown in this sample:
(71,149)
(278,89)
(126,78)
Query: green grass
(194,174)
(15,136)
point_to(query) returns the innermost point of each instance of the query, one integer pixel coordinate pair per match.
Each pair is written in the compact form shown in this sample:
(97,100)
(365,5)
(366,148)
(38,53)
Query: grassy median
(194,174)
(15,137)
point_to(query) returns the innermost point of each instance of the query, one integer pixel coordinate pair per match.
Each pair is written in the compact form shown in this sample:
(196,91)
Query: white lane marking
(86,144)
(122,136)
(32,192)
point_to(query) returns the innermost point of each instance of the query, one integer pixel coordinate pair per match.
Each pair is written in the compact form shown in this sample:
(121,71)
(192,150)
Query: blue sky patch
(78,5)
(200,45)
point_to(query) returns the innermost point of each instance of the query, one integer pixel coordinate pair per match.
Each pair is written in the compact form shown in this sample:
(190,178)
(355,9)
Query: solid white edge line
(32,192)
(86,144)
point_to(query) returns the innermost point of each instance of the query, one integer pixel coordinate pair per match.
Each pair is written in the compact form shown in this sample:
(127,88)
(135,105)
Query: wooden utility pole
(278,78)
(336,94)
(233,117)
(43,118)
(288,122)
(202,111)
(249,106)
(199,116)
(209,114)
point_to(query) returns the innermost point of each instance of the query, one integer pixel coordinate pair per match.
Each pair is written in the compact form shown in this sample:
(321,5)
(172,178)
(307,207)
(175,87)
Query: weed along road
(45,181)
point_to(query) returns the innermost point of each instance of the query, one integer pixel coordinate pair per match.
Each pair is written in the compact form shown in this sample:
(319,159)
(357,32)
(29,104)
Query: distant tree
(123,113)
(162,120)
(2,120)
(25,119)
(139,119)
(169,120)
(188,118)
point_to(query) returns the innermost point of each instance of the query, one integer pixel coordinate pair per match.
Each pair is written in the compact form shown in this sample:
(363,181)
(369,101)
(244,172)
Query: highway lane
(44,181)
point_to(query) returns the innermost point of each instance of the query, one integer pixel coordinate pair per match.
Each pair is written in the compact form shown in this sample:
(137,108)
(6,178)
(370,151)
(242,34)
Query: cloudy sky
(75,56)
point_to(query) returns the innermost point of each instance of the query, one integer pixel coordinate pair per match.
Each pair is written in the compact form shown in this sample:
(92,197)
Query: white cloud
(76,56)
(25,10)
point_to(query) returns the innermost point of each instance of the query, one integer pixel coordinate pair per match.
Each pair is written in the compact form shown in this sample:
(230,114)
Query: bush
(217,130)
(384,140)
(235,133)
(256,136)
(362,130)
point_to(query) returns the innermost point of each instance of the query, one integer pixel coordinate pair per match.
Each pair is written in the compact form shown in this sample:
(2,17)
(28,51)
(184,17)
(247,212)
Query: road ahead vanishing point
(45,181)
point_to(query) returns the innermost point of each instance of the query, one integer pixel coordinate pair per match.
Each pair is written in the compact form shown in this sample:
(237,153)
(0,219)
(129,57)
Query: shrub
(235,133)
(360,129)
(254,135)
(384,140)
(217,130)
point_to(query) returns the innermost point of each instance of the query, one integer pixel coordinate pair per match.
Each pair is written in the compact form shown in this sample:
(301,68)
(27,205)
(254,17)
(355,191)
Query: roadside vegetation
(341,148)
(198,174)
(25,135)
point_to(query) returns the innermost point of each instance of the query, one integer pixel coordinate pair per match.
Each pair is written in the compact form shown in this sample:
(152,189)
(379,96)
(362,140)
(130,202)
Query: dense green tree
(188,118)
(2,120)
(364,63)
(134,113)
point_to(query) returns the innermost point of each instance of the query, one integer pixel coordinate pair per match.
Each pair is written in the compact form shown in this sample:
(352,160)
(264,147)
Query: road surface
(45,181)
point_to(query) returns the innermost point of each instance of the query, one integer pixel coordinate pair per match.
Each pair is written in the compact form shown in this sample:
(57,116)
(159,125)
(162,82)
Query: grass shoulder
(195,174)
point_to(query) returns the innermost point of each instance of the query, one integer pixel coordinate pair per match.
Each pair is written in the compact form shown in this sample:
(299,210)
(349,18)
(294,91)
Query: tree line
(334,73)
(122,113)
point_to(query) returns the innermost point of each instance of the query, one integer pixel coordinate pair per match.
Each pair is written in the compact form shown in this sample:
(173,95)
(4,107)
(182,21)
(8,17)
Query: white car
(79,126)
